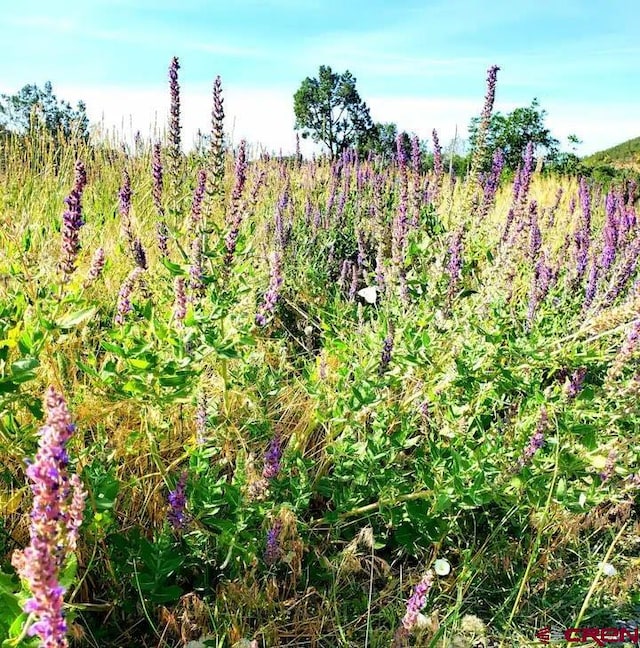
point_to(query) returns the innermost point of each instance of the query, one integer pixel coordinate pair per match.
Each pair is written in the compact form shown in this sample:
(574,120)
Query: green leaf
(114,348)
(69,572)
(173,268)
(26,364)
(73,319)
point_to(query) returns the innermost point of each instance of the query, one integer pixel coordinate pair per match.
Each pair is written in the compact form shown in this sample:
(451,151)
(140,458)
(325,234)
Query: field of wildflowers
(252,401)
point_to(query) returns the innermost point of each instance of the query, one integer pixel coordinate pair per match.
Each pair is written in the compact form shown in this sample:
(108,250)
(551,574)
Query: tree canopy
(39,108)
(512,133)
(329,110)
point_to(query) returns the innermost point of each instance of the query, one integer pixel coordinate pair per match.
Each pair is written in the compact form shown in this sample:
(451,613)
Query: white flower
(442,567)
(607,569)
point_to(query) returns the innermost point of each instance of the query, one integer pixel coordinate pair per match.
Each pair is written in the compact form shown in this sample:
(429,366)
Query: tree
(33,107)
(513,132)
(329,110)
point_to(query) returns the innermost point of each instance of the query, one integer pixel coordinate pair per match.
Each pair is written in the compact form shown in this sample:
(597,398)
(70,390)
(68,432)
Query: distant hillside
(625,155)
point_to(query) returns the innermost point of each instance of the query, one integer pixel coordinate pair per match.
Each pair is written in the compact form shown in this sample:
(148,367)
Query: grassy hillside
(625,155)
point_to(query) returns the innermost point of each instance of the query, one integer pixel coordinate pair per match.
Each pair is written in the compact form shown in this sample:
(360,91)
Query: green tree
(36,108)
(329,110)
(512,133)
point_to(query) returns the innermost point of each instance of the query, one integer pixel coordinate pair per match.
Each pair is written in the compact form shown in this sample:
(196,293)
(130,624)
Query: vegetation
(330,110)
(511,133)
(349,402)
(623,155)
(38,110)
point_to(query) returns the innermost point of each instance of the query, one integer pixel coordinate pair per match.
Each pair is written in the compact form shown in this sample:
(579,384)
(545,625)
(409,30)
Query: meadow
(271,401)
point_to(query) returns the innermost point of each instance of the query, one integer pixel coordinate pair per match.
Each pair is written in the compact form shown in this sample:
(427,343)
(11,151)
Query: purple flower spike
(96,268)
(575,382)
(177,514)
(157,179)
(536,441)
(438,164)
(272,458)
(58,506)
(124,296)
(273,551)
(417,601)
(609,467)
(180,303)
(485,117)
(273,293)
(174,119)
(72,222)
(196,205)
(217,137)
(387,350)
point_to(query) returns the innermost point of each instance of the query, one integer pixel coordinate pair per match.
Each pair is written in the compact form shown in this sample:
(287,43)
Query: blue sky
(420,64)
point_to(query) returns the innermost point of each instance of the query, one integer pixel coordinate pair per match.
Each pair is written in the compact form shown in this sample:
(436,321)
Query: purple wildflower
(592,285)
(272,551)
(174,119)
(56,516)
(124,205)
(273,292)
(625,352)
(217,137)
(180,303)
(609,467)
(387,350)
(272,458)
(362,250)
(574,386)
(610,232)
(124,296)
(72,222)
(162,236)
(201,419)
(196,203)
(380,271)
(536,441)
(235,212)
(139,255)
(240,176)
(485,117)
(96,268)
(353,288)
(438,164)
(415,154)
(491,182)
(177,514)
(417,601)
(344,272)
(540,283)
(157,179)
(454,267)
(524,177)
(582,235)
(196,282)
(536,238)
(556,204)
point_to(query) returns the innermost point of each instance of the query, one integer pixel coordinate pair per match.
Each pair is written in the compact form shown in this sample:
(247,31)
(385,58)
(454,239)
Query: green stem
(536,544)
(592,589)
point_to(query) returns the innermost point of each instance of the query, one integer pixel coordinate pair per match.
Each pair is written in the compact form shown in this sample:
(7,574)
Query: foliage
(375,469)
(329,110)
(626,153)
(39,110)
(512,133)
